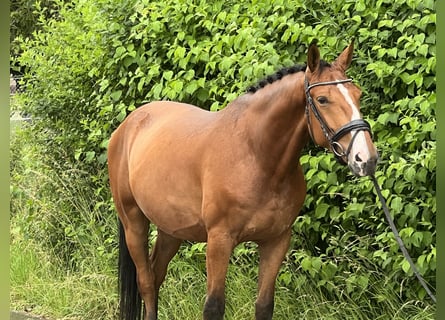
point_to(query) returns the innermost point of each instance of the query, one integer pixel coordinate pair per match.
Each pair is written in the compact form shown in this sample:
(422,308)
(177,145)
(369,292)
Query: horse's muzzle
(363,167)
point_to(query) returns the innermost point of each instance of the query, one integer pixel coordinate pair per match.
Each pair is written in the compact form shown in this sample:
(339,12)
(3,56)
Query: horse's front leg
(219,249)
(272,253)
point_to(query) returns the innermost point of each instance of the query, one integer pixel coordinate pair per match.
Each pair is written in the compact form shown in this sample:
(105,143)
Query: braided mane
(280,74)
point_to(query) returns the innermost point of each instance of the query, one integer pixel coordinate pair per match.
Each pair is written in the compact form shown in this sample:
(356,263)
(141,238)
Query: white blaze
(359,145)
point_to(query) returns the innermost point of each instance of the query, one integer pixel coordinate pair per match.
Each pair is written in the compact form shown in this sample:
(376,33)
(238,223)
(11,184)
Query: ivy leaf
(168,75)
(406,266)
(116,95)
(321,210)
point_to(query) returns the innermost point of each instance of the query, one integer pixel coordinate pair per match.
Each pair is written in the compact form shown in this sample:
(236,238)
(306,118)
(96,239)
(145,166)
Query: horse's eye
(322,100)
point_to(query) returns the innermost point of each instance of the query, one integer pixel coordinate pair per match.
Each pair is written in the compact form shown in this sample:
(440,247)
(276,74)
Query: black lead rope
(399,240)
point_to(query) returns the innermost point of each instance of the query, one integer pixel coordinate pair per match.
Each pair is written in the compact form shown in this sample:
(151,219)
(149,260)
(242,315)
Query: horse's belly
(171,209)
(180,219)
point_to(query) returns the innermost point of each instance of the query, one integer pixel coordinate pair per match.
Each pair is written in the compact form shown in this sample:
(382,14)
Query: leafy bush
(100,60)
(52,204)
(26,18)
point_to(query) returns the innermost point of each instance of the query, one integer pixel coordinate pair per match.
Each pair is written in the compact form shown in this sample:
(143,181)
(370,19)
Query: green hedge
(99,60)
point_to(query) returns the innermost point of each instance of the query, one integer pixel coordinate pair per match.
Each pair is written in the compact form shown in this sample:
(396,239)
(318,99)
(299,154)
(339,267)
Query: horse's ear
(313,56)
(344,59)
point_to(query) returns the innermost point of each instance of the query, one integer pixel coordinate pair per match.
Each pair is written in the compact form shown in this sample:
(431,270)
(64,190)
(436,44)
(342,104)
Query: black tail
(130,301)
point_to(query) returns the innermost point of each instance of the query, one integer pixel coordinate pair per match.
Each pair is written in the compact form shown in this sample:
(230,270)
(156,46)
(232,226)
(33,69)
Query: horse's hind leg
(163,251)
(136,227)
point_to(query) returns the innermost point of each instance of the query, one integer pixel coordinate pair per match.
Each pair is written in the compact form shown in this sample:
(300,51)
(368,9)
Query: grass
(39,284)
(63,260)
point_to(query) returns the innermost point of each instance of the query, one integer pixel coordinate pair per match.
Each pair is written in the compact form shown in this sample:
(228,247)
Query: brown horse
(227,177)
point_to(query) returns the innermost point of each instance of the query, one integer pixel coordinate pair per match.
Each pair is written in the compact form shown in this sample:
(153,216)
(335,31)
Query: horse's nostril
(371,166)
(357,158)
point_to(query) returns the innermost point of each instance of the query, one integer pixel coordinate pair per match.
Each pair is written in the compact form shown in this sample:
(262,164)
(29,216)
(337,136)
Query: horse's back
(167,132)
(166,113)
(156,123)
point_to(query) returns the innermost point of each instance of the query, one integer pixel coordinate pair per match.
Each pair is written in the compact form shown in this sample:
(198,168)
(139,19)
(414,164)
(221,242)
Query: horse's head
(333,112)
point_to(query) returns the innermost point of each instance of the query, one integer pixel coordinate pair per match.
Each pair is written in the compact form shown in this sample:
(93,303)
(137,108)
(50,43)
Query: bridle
(332,136)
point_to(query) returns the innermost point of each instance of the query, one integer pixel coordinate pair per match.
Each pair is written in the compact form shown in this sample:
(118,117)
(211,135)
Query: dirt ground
(15,315)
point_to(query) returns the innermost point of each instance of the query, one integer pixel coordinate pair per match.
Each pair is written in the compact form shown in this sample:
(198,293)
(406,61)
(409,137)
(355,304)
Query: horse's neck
(276,123)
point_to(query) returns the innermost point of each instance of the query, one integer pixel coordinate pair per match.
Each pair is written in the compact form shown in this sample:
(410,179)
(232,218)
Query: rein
(399,240)
(333,136)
